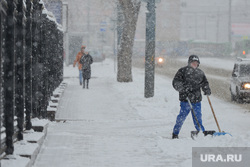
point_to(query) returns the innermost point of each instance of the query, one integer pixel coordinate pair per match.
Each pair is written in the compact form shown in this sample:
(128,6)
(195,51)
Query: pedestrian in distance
(189,81)
(77,61)
(86,61)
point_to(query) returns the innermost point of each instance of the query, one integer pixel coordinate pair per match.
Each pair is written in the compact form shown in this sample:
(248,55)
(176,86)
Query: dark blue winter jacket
(189,82)
(86,60)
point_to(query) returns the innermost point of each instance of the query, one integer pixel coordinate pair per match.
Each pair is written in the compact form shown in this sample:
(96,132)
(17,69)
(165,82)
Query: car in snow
(160,58)
(159,61)
(139,55)
(240,80)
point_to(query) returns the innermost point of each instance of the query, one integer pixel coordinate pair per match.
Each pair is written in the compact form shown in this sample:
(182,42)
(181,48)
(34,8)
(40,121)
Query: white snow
(113,125)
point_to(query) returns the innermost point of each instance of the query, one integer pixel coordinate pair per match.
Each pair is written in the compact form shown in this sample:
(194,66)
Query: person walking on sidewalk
(86,61)
(77,61)
(189,81)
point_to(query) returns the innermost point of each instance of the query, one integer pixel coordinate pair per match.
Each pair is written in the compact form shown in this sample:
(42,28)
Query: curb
(27,150)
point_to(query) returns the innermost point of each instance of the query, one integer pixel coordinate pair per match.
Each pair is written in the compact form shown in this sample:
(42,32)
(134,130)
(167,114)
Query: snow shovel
(220,132)
(195,133)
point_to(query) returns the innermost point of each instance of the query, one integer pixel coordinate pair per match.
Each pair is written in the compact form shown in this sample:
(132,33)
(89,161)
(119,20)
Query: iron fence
(31,66)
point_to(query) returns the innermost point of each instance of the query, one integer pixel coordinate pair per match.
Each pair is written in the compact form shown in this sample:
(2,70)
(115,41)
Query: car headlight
(160,60)
(246,85)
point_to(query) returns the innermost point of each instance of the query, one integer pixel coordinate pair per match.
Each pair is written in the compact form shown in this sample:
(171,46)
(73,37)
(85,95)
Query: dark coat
(86,61)
(188,82)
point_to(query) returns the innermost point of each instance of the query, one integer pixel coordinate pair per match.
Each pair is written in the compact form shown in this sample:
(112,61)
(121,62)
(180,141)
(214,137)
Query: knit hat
(193,58)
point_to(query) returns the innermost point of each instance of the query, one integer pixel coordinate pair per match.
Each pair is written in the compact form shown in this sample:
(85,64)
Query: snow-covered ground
(113,125)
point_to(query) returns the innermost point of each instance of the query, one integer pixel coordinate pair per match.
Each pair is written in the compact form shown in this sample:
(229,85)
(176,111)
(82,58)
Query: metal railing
(31,66)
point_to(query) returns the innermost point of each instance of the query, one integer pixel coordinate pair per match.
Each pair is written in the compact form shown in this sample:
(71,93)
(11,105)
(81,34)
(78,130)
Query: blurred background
(183,27)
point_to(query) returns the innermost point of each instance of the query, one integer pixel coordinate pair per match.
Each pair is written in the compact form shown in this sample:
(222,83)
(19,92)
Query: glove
(208,93)
(190,96)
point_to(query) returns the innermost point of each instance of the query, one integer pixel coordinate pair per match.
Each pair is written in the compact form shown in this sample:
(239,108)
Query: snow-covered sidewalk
(113,125)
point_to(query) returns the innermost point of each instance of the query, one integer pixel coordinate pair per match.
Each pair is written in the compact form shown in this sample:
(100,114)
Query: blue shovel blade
(221,134)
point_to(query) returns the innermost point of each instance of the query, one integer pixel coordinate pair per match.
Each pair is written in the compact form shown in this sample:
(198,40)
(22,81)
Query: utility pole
(114,20)
(65,22)
(205,28)
(88,28)
(120,21)
(218,25)
(114,45)
(229,23)
(196,26)
(150,49)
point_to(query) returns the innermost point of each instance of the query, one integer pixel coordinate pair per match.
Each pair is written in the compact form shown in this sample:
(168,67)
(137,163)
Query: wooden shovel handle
(213,113)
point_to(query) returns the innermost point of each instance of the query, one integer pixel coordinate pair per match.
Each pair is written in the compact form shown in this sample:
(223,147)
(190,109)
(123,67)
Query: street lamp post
(229,23)
(88,24)
(120,21)
(65,23)
(114,21)
(150,49)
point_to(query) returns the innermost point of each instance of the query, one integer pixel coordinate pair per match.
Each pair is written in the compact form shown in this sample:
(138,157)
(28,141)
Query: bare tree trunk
(130,10)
